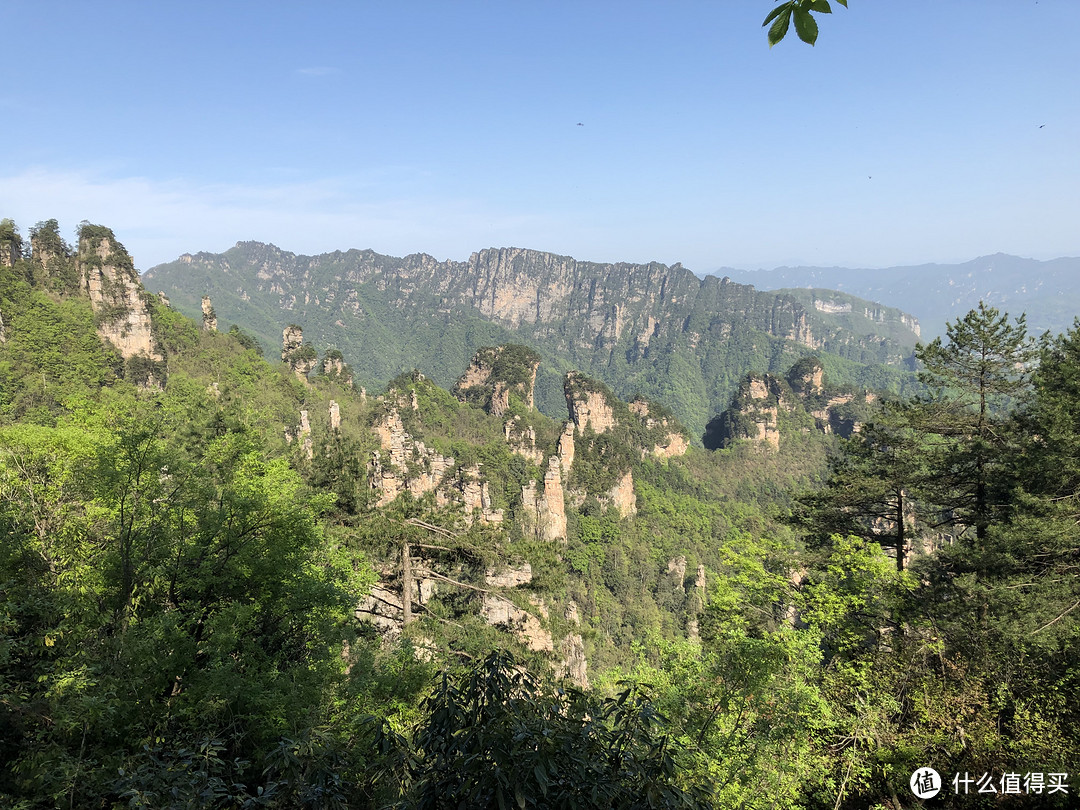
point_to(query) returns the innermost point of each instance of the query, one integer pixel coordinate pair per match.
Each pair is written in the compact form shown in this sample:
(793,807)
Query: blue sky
(930,130)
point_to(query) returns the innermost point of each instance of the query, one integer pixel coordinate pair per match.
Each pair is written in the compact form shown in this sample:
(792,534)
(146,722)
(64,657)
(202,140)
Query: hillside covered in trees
(233,581)
(652,329)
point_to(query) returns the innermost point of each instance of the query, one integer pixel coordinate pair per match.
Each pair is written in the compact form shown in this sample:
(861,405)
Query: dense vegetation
(180,570)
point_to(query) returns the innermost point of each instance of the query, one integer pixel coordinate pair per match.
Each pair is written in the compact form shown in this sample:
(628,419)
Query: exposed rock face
(545,512)
(588,405)
(753,415)
(10,244)
(411,465)
(807,378)
(587,311)
(163,298)
(574,666)
(828,420)
(496,372)
(333,366)
(566,448)
(501,612)
(677,570)
(384,608)
(673,442)
(303,433)
(699,580)
(755,410)
(509,577)
(335,416)
(475,496)
(404,464)
(522,440)
(209,317)
(300,356)
(292,338)
(108,277)
(622,496)
(49,257)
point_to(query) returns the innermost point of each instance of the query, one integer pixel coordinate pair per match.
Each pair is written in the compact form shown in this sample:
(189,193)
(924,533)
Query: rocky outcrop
(10,243)
(753,415)
(497,372)
(676,567)
(509,576)
(476,498)
(501,612)
(574,666)
(544,511)
(335,416)
(807,377)
(209,317)
(672,439)
(334,367)
(590,312)
(522,440)
(827,418)
(589,403)
(755,411)
(384,606)
(299,356)
(404,464)
(301,431)
(622,496)
(121,308)
(567,450)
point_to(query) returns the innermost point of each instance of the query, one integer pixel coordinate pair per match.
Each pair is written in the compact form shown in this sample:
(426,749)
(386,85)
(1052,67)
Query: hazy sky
(928,130)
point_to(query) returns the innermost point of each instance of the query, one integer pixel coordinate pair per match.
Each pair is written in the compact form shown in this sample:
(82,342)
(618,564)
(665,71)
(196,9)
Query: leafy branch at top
(801,12)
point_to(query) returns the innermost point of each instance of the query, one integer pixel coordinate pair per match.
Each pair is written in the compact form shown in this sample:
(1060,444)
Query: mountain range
(648,329)
(1048,292)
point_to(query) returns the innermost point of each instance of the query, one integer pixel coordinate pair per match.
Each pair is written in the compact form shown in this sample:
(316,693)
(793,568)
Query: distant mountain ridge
(652,329)
(1047,291)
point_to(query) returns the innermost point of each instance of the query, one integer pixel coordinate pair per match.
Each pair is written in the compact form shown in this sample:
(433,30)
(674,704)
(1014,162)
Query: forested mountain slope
(649,329)
(228,581)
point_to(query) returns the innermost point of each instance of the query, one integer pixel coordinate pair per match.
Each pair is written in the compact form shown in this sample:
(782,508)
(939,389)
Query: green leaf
(779,28)
(842,2)
(821,6)
(774,12)
(541,778)
(806,26)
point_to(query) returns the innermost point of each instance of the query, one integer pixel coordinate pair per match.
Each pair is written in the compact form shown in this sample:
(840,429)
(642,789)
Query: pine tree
(873,481)
(976,377)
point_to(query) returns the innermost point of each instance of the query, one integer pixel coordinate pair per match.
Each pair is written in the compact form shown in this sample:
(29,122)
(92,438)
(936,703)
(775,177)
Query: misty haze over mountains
(1047,291)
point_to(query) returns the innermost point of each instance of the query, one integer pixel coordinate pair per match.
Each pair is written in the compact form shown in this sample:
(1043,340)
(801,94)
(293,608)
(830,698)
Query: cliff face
(651,328)
(120,303)
(590,407)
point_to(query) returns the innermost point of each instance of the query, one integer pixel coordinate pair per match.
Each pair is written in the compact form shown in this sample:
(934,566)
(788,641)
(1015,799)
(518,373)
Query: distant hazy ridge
(1048,292)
